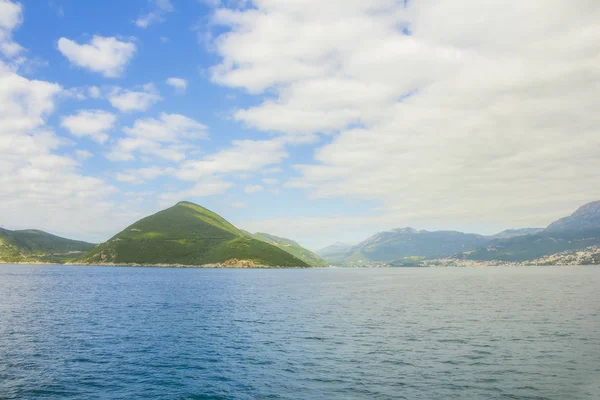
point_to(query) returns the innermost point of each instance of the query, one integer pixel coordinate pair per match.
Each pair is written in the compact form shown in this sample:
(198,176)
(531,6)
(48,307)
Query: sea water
(70,332)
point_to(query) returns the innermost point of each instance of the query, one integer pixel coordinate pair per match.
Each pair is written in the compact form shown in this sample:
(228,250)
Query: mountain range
(407,246)
(404,243)
(188,234)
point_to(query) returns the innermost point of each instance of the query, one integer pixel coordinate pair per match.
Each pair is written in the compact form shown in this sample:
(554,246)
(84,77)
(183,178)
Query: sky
(317,121)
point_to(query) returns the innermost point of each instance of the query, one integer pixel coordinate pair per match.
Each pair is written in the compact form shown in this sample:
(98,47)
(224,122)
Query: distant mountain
(333,248)
(187,234)
(576,232)
(529,247)
(405,243)
(585,217)
(37,246)
(291,247)
(515,232)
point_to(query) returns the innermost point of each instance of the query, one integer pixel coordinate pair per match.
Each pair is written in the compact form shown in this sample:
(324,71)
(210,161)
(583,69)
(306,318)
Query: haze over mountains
(575,232)
(508,233)
(188,234)
(585,217)
(406,242)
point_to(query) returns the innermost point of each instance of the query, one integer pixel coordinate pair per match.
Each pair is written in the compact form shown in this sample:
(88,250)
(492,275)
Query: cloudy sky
(316,120)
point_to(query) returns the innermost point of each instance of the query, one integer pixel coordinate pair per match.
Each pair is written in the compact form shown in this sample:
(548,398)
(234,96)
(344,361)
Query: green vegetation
(186,234)
(530,247)
(291,247)
(37,246)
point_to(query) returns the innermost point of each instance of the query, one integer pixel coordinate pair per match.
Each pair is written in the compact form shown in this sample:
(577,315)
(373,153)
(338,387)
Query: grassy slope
(38,246)
(293,248)
(186,234)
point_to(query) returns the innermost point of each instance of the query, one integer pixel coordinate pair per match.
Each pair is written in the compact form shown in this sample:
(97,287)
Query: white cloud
(469,121)
(242,156)
(161,7)
(272,170)
(41,189)
(204,188)
(92,123)
(238,204)
(83,155)
(127,178)
(178,83)
(94,92)
(270,181)
(129,100)
(11,16)
(167,137)
(74,93)
(210,171)
(141,175)
(105,55)
(253,189)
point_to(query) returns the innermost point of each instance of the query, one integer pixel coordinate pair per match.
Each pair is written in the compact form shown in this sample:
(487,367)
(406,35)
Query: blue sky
(319,122)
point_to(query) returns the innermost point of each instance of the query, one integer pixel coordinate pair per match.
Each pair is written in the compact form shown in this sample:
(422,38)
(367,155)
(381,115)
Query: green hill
(186,234)
(37,246)
(291,247)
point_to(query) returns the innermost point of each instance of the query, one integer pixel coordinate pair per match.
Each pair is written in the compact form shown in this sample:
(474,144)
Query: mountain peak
(186,234)
(592,208)
(186,203)
(406,229)
(585,217)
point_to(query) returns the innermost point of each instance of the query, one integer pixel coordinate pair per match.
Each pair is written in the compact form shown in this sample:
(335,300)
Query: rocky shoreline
(233,263)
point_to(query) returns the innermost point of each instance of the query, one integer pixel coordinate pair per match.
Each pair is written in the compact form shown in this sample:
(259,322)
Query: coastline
(259,266)
(217,265)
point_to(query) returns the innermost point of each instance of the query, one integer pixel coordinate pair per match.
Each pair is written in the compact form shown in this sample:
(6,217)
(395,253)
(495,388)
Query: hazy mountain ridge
(528,247)
(403,243)
(585,217)
(407,246)
(333,248)
(508,233)
(32,245)
(575,232)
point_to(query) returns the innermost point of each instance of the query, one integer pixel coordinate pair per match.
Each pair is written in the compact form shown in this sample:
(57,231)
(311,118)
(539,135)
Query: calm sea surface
(162,333)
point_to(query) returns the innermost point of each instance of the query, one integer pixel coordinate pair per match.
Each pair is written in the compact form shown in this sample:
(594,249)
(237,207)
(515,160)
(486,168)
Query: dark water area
(71,332)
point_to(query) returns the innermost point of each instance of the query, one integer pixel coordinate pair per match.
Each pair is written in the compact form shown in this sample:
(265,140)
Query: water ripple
(122,333)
